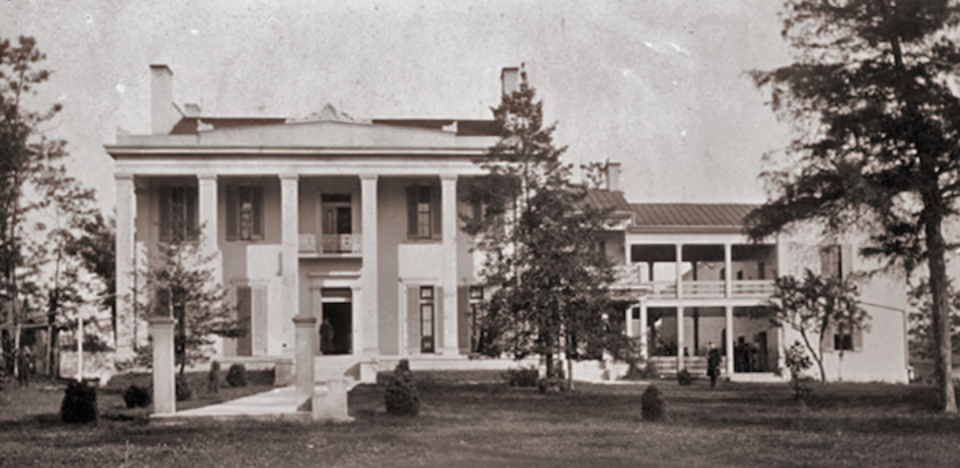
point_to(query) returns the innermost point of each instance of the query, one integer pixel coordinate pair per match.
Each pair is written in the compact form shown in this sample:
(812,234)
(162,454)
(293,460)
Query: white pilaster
(448,278)
(728,270)
(126,232)
(207,210)
(728,322)
(290,235)
(368,280)
(679,337)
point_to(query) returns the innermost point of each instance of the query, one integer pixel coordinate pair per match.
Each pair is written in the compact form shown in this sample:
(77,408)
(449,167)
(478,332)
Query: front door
(337,328)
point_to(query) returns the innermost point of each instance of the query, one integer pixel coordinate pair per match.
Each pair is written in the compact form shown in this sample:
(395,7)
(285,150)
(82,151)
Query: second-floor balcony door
(337,223)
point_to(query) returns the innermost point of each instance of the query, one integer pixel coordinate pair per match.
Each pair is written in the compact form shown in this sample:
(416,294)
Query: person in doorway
(713,364)
(326,337)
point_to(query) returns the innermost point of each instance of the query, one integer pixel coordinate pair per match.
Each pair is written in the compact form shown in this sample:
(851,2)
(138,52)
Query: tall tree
(871,96)
(547,276)
(95,246)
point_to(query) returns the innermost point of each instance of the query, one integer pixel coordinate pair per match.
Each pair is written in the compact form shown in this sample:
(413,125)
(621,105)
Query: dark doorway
(339,316)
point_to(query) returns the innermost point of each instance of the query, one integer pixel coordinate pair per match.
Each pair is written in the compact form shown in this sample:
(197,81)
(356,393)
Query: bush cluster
(402,397)
(553,385)
(652,405)
(684,378)
(237,375)
(137,397)
(79,403)
(213,378)
(521,377)
(183,390)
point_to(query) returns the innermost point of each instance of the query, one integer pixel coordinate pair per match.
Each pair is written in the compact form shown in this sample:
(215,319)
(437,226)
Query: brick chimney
(613,176)
(163,112)
(510,80)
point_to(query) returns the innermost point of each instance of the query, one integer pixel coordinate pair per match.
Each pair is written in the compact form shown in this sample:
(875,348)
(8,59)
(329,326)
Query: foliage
(653,407)
(136,396)
(79,403)
(182,389)
(684,378)
(213,378)
(871,96)
(813,306)
(402,397)
(237,375)
(95,246)
(797,361)
(547,276)
(922,342)
(523,377)
(179,283)
(553,385)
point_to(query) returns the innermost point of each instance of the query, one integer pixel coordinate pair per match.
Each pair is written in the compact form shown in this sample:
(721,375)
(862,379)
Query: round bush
(136,397)
(402,397)
(553,385)
(684,378)
(79,403)
(237,375)
(183,390)
(652,405)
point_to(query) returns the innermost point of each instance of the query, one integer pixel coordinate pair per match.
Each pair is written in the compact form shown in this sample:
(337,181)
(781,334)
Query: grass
(474,419)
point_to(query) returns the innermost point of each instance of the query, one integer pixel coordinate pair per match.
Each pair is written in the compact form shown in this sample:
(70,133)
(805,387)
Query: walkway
(279,404)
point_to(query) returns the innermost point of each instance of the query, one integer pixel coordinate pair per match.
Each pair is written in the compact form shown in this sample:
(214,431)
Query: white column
(644,331)
(727,269)
(728,321)
(289,219)
(448,270)
(679,337)
(126,233)
(164,387)
(207,210)
(679,265)
(306,332)
(628,322)
(369,284)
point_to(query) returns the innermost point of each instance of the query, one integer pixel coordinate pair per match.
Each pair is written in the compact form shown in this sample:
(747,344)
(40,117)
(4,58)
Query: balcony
(629,277)
(340,245)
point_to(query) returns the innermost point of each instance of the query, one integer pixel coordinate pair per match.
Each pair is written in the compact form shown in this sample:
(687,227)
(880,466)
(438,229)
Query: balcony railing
(628,276)
(752,288)
(330,243)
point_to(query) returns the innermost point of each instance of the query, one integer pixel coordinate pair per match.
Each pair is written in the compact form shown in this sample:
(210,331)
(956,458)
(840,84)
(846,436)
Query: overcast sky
(660,86)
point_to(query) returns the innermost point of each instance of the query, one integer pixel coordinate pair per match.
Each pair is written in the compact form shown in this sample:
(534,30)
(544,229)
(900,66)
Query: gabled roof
(606,199)
(686,217)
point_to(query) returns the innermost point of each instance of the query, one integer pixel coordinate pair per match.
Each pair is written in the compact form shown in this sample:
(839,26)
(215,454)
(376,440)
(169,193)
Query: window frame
(189,199)
(236,194)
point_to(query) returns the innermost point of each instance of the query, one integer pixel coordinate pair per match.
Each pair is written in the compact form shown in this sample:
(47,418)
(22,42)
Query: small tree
(179,284)
(815,305)
(797,361)
(547,276)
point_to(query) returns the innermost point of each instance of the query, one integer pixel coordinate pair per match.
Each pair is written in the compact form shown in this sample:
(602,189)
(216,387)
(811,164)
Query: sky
(661,86)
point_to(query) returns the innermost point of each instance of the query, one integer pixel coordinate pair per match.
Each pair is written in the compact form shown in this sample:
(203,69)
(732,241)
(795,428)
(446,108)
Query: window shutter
(233,208)
(857,339)
(256,195)
(830,261)
(243,320)
(829,336)
(412,211)
(164,194)
(413,319)
(463,318)
(438,319)
(435,209)
(846,260)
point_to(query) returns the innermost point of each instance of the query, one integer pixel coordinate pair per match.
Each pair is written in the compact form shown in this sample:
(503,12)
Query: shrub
(183,390)
(137,397)
(213,378)
(402,397)
(79,403)
(652,405)
(237,375)
(553,385)
(521,377)
(684,378)
(646,372)
(797,361)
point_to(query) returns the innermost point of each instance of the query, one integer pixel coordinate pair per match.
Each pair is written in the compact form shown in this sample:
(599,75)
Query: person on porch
(713,364)
(326,337)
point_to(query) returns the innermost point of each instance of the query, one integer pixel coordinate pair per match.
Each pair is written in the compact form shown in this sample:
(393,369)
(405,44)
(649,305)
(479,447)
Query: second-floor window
(178,213)
(244,212)
(423,212)
(836,260)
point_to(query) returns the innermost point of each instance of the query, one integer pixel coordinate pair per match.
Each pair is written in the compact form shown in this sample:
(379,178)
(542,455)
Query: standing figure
(23,366)
(713,364)
(326,337)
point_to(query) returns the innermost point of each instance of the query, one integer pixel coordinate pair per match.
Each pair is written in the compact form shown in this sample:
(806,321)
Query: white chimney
(613,176)
(510,80)
(163,112)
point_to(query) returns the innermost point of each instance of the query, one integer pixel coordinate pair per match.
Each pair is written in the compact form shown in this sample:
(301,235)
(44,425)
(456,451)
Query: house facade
(356,223)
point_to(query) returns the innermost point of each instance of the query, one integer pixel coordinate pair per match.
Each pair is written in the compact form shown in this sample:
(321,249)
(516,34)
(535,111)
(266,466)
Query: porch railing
(752,288)
(330,243)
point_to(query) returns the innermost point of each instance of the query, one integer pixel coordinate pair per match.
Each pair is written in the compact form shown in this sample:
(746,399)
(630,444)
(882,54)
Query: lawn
(476,420)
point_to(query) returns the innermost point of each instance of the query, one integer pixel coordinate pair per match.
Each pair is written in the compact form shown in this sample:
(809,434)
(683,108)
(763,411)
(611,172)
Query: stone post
(306,333)
(164,384)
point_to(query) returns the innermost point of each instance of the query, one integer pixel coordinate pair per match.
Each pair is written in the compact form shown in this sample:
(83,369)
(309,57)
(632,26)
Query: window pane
(426,320)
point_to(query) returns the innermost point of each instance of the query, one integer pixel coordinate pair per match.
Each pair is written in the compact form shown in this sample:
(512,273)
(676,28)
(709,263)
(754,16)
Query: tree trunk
(941,307)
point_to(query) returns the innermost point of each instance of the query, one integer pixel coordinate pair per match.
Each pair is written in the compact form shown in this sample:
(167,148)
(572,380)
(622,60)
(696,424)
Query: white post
(679,338)
(679,268)
(369,284)
(448,271)
(728,319)
(628,320)
(79,348)
(164,384)
(728,274)
(290,238)
(207,209)
(126,229)
(644,332)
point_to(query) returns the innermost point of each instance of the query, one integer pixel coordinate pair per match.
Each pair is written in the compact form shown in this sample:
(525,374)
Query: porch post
(728,321)
(125,244)
(727,273)
(448,269)
(679,271)
(305,334)
(679,337)
(644,332)
(164,387)
(628,322)
(368,275)
(207,210)
(289,257)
